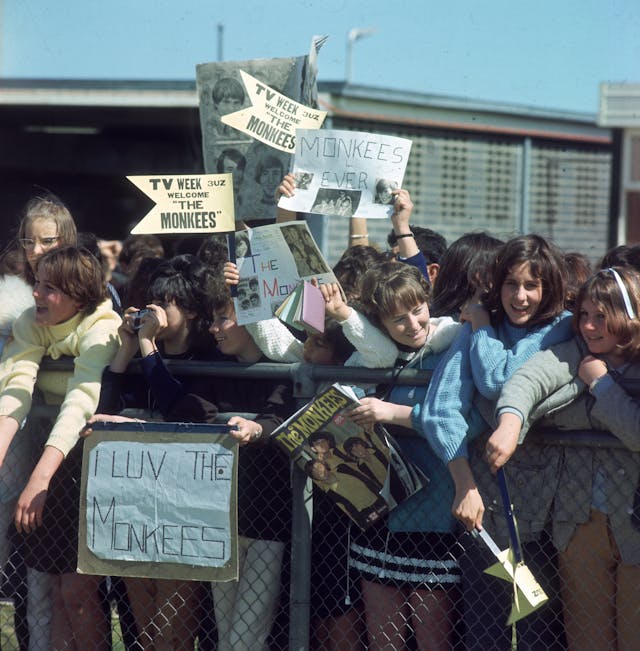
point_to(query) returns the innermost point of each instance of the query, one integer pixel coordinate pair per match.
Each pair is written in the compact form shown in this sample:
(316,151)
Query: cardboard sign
(256,145)
(159,500)
(198,203)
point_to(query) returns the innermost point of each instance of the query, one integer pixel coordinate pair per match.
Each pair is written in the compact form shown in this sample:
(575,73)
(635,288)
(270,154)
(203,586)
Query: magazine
(362,470)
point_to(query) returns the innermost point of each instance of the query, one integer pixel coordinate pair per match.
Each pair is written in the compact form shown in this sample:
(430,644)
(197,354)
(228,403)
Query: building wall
(462,182)
(470,167)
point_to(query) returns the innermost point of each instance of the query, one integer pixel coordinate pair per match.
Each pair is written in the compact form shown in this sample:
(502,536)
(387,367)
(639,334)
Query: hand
(28,513)
(110,250)
(87,430)
(371,411)
(467,504)
(128,336)
(503,442)
(231,273)
(153,323)
(468,507)
(591,368)
(245,431)
(287,187)
(474,311)
(402,208)
(334,303)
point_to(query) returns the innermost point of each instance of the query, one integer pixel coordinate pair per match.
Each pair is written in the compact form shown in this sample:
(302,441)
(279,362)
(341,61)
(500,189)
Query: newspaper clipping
(249,113)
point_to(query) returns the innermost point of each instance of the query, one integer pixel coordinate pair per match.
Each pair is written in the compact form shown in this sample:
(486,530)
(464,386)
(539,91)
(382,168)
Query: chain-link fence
(319,582)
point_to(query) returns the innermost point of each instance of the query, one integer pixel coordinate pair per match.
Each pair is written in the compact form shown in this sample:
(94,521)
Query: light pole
(220,42)
(355,34)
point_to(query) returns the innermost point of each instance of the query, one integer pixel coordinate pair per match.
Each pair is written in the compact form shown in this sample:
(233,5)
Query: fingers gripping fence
(329,583)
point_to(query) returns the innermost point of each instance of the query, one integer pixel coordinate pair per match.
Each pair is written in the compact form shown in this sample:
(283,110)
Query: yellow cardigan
(92,340)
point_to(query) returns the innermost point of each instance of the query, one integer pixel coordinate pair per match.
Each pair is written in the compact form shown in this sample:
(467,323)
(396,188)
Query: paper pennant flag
(197,203)
(528,593)
(272,117)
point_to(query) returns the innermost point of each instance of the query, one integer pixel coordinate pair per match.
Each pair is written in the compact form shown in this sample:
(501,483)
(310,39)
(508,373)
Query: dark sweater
(264,494)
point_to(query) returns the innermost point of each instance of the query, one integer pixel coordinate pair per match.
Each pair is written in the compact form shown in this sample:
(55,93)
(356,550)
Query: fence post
(300,565)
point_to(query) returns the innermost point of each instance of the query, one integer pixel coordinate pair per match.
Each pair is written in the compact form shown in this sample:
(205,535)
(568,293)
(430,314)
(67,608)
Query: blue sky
(548,53)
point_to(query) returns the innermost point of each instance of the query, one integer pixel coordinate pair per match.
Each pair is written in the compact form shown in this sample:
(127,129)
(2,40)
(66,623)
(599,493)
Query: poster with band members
(347,173)
(361,469)
(272,260)
(249,112)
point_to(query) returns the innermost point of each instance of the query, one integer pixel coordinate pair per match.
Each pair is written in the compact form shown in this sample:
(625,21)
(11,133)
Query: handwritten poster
(272,260)
(346,173)
(159,504)
(198,203)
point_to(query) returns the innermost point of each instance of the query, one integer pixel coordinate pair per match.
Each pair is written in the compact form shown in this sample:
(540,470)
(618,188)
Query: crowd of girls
(489,321)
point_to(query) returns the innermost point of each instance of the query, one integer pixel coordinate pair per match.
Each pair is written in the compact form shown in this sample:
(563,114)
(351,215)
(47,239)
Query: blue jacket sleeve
(419,262)
(493,362)
(166,389)
(443,417)
(111,390)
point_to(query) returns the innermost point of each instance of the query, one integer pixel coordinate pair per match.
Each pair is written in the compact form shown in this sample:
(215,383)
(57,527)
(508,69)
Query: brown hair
(604,292)
(546,263)
(12,260)
(390,286)
(137,247)
(50,207)
(77,273)
(220,294)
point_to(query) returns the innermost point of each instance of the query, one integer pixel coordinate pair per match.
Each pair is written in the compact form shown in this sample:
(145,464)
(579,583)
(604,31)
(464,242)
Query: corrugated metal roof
(84,101)
(340,96)
(451,102)
(98,93)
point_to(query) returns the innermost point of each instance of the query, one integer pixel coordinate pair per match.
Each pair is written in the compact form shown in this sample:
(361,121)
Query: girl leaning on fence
(519,312)
(72,317)
(590,382)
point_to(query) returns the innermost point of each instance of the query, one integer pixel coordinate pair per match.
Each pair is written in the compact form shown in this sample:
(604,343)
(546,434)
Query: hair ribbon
(624,292)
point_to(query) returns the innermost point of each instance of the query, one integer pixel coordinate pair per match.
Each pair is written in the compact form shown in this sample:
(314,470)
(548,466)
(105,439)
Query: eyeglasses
(45,242)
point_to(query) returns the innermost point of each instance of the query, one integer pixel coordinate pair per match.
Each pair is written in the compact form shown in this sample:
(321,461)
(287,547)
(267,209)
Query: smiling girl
(506,324)
(72,316)
(244,609)
(520,313)
(407,563)
(47,224)
(174,327)
(592,523)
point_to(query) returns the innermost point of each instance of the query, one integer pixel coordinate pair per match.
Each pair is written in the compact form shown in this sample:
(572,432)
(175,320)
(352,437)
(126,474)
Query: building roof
(78,102)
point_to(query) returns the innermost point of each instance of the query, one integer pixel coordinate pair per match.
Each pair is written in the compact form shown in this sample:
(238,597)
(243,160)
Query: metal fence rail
(293,625)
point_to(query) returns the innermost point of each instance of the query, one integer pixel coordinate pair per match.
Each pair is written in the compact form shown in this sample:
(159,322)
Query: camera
(137,318)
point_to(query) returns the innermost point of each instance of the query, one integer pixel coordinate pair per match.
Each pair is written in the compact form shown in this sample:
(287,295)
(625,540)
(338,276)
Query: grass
(7,630)
(8,641)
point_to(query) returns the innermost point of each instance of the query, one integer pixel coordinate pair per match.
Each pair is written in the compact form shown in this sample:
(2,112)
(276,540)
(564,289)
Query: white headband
(624,292)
